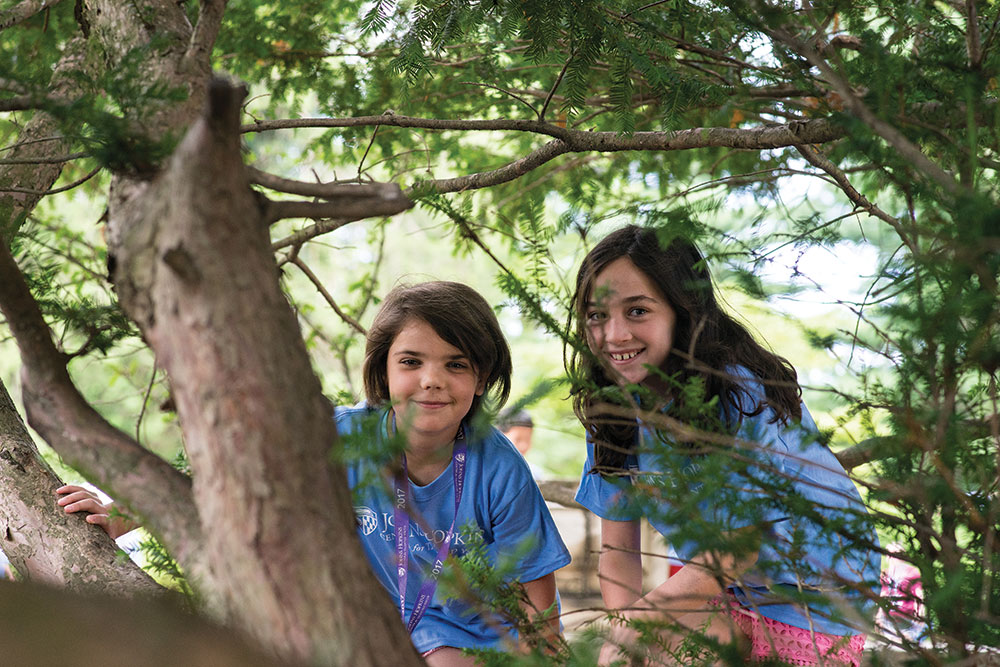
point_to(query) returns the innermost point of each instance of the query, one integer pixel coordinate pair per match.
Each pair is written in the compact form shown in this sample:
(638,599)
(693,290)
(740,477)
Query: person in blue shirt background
(701,399)
(433,352)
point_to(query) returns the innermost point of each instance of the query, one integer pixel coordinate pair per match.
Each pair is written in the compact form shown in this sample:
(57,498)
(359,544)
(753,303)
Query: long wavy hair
(707,343)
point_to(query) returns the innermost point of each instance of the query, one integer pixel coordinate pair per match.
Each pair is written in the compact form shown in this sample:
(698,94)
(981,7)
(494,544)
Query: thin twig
(297,261)
(42,193)
(145,402)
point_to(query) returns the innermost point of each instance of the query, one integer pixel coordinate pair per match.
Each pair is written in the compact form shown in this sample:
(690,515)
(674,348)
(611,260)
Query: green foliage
(488,587)
(158,562)
(59,266)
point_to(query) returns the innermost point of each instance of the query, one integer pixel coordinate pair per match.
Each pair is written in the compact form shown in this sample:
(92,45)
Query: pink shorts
(794,646)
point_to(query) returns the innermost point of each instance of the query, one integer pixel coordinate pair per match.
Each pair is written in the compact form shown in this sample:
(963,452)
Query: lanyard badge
(401,519)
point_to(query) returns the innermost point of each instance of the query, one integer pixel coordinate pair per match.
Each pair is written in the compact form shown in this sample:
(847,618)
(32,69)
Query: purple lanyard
(401,519)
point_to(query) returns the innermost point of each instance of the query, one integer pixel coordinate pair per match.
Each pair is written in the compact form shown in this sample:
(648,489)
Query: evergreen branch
(24,11)
(504,174)
(333,190)
(907,149)
(645,7)
(396,120)
(303,235)
(552,173)
(555,87)
(817,159)
(353,323)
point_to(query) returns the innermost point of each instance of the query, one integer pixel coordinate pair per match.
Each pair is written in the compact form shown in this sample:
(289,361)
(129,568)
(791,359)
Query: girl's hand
(78,499)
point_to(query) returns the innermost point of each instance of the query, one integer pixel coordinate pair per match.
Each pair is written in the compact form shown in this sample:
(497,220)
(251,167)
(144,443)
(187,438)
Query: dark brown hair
(707,342)
(460,316)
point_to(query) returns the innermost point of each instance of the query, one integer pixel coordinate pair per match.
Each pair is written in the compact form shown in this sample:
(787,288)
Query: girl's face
(431,383)
(630,325)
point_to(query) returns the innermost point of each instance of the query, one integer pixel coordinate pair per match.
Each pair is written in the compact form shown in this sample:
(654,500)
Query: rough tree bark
(41,541)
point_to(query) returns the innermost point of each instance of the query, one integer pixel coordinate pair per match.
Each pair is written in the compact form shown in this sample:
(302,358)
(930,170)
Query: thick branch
(74,429)
(43,542)
(560,491)
(196,271)
(864,452)
(396,120)
(335,190)
(777,136)
(199,51)
(24,11)
(973,41)
(343,211)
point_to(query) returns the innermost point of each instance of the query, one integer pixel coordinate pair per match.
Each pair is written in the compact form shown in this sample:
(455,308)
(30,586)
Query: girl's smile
(630,325)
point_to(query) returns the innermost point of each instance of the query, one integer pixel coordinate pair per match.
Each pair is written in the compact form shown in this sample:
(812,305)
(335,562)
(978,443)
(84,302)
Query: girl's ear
(481,387)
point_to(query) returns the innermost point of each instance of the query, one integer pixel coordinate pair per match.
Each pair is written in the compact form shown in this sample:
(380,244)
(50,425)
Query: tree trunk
(195,270)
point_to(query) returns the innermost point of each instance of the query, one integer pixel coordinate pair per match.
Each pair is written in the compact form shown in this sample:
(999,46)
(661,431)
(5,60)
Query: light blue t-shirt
(798,556)
(500,500)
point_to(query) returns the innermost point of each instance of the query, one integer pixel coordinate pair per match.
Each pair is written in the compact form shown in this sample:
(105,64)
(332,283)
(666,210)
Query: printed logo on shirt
(369,522)
(366,518)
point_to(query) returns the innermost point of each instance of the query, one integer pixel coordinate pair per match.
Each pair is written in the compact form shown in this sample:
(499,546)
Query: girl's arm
(684,598)
(620,566)
(699,581)
(541,594)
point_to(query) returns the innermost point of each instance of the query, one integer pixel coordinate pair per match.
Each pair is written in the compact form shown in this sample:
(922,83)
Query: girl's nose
(431,378)
(616,330)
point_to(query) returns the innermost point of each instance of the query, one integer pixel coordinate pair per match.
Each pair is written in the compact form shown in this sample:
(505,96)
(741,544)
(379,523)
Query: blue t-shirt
(798,556)
(500,501)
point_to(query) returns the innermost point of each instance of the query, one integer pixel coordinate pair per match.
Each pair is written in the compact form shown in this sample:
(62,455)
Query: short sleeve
(524,533)
(607,497)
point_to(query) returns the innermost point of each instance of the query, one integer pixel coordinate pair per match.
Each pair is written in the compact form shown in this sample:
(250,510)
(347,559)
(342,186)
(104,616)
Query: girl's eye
(459,365)
(637,312)
(595,316)
(409,362)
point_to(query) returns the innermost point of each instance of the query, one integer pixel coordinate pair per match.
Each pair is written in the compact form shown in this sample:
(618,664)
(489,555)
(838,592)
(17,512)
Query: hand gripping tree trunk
(195,270)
